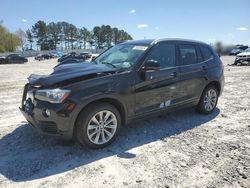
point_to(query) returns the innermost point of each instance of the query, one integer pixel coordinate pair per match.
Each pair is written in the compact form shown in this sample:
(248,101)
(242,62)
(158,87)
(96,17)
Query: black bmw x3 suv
(91,101)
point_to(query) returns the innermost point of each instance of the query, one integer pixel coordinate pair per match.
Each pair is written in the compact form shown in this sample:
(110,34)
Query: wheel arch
(213,83)
(110,100)
(216,84)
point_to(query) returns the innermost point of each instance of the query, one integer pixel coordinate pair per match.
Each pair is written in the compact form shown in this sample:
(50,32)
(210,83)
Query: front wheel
(98,125)
(208,100)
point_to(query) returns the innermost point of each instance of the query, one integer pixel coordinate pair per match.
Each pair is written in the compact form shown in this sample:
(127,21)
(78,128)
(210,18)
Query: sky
(208,20)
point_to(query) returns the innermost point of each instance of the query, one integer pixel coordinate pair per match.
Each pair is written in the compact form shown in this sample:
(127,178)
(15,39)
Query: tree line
(8,41)
(60,35)
(67,36)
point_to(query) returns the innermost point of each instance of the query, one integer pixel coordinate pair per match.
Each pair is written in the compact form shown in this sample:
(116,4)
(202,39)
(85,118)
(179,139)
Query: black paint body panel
(137,92)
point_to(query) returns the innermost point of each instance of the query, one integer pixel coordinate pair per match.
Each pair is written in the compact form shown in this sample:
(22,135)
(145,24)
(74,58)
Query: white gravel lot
(179,149)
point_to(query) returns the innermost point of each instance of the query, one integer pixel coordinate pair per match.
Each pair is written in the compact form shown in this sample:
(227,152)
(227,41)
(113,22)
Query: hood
(69,72)
(243,53)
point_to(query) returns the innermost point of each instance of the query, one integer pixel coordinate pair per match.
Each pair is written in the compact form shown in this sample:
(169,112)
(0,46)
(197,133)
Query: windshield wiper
(107,63)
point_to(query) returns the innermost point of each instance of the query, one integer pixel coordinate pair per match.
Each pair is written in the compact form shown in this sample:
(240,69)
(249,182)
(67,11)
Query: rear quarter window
(206,52)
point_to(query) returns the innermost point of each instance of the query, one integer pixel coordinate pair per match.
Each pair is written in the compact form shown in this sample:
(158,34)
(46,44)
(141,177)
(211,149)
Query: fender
(98,97)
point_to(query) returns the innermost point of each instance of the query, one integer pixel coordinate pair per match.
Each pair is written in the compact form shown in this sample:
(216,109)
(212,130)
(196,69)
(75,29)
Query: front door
(157,90)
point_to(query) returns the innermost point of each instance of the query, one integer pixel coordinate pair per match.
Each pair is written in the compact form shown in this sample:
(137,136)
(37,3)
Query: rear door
(193,71)
(156,90)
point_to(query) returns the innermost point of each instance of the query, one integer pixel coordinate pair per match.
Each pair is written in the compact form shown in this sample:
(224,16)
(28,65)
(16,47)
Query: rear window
(188,54)
(206,52)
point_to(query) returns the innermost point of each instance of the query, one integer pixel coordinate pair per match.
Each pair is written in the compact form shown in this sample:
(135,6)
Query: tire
(236,62)
(203,107)
(86,134)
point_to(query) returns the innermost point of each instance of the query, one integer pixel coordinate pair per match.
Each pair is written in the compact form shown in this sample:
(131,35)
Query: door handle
(204,68)
(173,74)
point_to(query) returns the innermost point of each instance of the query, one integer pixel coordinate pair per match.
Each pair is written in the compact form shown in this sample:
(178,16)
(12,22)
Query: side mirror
(152,65)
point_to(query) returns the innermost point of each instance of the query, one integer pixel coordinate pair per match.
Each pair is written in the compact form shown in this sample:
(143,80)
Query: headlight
(52,95)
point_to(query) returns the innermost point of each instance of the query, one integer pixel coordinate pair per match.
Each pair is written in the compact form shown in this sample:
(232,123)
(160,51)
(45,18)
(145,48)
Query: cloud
(142,25)
(132,11)
(24,20)
(156,28)
(242,29)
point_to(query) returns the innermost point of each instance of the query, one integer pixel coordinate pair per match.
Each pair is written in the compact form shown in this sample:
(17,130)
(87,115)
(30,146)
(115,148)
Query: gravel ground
(179,149)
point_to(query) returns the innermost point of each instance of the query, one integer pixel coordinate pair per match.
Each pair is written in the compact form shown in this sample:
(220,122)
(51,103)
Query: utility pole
(11,42)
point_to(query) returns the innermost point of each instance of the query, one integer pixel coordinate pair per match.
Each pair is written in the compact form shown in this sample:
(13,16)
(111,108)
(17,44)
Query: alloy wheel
(102,127)
(210,100)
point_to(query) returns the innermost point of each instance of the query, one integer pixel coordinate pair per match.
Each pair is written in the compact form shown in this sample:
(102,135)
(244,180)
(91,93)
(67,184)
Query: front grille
(48,126)
(244,56)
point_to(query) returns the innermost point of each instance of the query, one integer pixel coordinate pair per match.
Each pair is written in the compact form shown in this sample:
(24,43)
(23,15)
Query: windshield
(247,50)
(121,56)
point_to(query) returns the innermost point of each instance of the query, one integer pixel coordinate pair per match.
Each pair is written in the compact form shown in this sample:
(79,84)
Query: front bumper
(47,127)
(241,59)
(58,123)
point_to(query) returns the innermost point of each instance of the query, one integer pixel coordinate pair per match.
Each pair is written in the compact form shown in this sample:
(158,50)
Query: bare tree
(23,38)
(30,38)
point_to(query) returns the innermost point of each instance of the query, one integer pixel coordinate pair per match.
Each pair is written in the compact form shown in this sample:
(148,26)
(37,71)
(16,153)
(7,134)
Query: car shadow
(25,155)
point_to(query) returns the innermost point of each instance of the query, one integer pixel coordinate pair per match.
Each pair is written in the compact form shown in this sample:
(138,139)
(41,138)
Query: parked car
(40,57)
(73,55)
(13,58)
(68,61)
(242,47)
(59,54)
(243,58)
(235,51)
(84,53)
(93,57)
(91,101)
(65,56)
(52,55)
(60,59)
(2,60)
(87,58)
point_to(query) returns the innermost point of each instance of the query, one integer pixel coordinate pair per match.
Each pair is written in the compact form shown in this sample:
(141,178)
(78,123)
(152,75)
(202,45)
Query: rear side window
(164,54)
(188,54)
(206,52)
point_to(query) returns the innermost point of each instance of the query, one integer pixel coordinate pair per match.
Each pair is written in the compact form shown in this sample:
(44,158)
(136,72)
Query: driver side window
(164,54)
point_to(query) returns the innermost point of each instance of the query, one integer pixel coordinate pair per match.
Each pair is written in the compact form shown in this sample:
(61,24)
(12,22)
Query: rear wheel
(98,125)
(236,61)
(208,100)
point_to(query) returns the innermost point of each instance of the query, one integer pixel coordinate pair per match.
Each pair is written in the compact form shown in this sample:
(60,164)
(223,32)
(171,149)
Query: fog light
(47,112)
